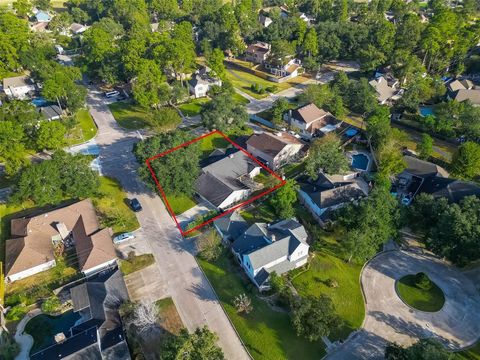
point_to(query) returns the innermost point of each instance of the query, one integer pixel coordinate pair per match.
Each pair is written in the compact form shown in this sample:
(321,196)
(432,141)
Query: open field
(267,334)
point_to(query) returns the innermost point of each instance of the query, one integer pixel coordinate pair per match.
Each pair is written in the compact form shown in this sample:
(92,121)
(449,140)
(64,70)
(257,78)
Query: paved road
(178,275)
(456,325)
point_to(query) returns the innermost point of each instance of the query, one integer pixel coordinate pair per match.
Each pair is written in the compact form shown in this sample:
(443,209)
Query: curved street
(388,319)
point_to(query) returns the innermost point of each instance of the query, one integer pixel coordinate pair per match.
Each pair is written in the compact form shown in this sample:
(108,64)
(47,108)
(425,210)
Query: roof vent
(62,229)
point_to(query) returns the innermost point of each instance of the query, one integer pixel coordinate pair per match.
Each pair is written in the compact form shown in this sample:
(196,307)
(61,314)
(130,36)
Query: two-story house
(258,52)
(275,150)
(266,248)
(201,82)
(310,121)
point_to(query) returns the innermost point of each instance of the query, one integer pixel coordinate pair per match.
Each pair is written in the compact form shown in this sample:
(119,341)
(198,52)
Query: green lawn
(263,212)
(292,170)
(180,203)
(212,142)
(424,300)
(267,334)
(136,263)
(347,297)
(240,99)
(84,130)
(111,204)
(193,107)
(128,115)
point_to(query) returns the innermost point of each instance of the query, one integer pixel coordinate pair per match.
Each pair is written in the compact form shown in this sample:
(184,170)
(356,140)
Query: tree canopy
(326,155)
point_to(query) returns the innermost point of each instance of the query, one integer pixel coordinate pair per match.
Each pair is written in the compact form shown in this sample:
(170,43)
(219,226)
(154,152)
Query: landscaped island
(421,293)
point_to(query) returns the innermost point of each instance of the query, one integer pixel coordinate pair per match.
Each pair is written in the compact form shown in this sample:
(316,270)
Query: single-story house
(99,332)
(227,178)
(274,150)
(201,82)
(311,121)
(472,95)
(324,195)
(258,52)
(262,248)
(18,87)
(386,87)
(51,112)
(31,248)
(459,84)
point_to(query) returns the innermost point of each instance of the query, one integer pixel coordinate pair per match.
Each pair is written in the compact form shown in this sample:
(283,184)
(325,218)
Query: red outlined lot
(246,202)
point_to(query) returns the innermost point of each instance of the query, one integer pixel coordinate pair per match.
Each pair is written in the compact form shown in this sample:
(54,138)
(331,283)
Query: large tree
(326,155)
(314,317)
(466,161)
(284,200)
(424,349)
(51,181)
(50,135)
(200,345)
(61,87)
(223,113)
(176,171)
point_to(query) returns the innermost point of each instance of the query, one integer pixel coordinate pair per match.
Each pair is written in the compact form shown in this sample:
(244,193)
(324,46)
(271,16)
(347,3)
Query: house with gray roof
(386,88)
(201,82)
(227,178)
(266,248)
(98,334)
(324,195)
(18,87)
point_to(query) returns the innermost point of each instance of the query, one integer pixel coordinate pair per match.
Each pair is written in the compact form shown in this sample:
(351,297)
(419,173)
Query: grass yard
(347,297)
(240,99)
(193,107)
(129,116)
(180,203)
(293,170)
(169,318)
(263,212)
(84,130)
(430,300)
(267,334)
(243,80)
(136,263)
(111,204)
(212,142)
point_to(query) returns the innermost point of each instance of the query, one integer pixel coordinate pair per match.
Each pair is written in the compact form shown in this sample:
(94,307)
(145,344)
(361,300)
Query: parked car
(135,205)
(123,237)
(113,93)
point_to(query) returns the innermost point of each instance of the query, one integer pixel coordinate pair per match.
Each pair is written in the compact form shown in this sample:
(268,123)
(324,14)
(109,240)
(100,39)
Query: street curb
(224,311)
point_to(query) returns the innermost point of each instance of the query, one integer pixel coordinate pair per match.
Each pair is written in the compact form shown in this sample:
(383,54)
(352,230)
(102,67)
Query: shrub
(272,89)
(17,312)
(422,281)
(51,305)
(209,246)
(243,303)
(331,283)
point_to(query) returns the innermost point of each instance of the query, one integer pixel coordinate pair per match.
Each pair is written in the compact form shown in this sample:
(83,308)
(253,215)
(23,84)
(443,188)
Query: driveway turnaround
(177,272)
(389,319)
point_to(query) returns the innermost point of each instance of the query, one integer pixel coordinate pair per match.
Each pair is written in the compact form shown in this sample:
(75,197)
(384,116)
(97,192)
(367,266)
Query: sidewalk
(24,340)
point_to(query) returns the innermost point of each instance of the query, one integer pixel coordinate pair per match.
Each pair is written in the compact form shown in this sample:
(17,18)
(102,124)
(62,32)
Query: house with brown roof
(257,52)
(274,150)
(311,121)
(31,248)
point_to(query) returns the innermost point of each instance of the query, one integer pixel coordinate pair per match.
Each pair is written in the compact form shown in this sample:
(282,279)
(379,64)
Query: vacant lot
(129,116)
(193,107)
(180,203)
(267,334)
(84,130)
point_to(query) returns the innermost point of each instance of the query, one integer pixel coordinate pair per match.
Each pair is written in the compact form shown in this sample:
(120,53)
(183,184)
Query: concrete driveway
(176,272)
(388,319)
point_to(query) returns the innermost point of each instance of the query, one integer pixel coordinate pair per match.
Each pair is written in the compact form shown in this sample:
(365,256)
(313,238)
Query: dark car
(135,205)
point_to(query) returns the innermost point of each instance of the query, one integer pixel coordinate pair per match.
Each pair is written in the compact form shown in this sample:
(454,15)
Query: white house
(18,87)
(263,249)
(274,150)
(289,69)
(311,121)
(227,178)
(201,82)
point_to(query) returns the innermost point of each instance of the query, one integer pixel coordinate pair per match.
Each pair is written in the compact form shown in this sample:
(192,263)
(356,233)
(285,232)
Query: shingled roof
(272,144)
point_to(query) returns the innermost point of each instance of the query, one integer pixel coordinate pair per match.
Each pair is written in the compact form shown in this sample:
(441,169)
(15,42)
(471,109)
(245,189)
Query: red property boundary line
(232,209)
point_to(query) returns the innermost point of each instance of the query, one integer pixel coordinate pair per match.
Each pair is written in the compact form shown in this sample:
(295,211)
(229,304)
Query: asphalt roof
(452,189)
(272,144)
(232,224)
(423,168)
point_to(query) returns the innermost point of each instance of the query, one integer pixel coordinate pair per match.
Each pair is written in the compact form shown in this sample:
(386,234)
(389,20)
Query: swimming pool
(360,162)
(426,110)
(38,102)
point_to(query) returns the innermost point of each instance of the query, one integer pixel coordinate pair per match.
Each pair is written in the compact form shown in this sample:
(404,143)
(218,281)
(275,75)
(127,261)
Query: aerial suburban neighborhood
(249,179)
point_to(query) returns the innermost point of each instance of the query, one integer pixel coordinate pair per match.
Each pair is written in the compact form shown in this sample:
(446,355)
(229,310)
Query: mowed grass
(267,334)
(112,200)
(84,130)
(136,263)
(212,142)
(129,116)
(430,300)
(180,203)
(347,297)
(193,107)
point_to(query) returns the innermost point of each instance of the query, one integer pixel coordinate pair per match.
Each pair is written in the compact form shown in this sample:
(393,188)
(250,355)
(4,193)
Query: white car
(123,237)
